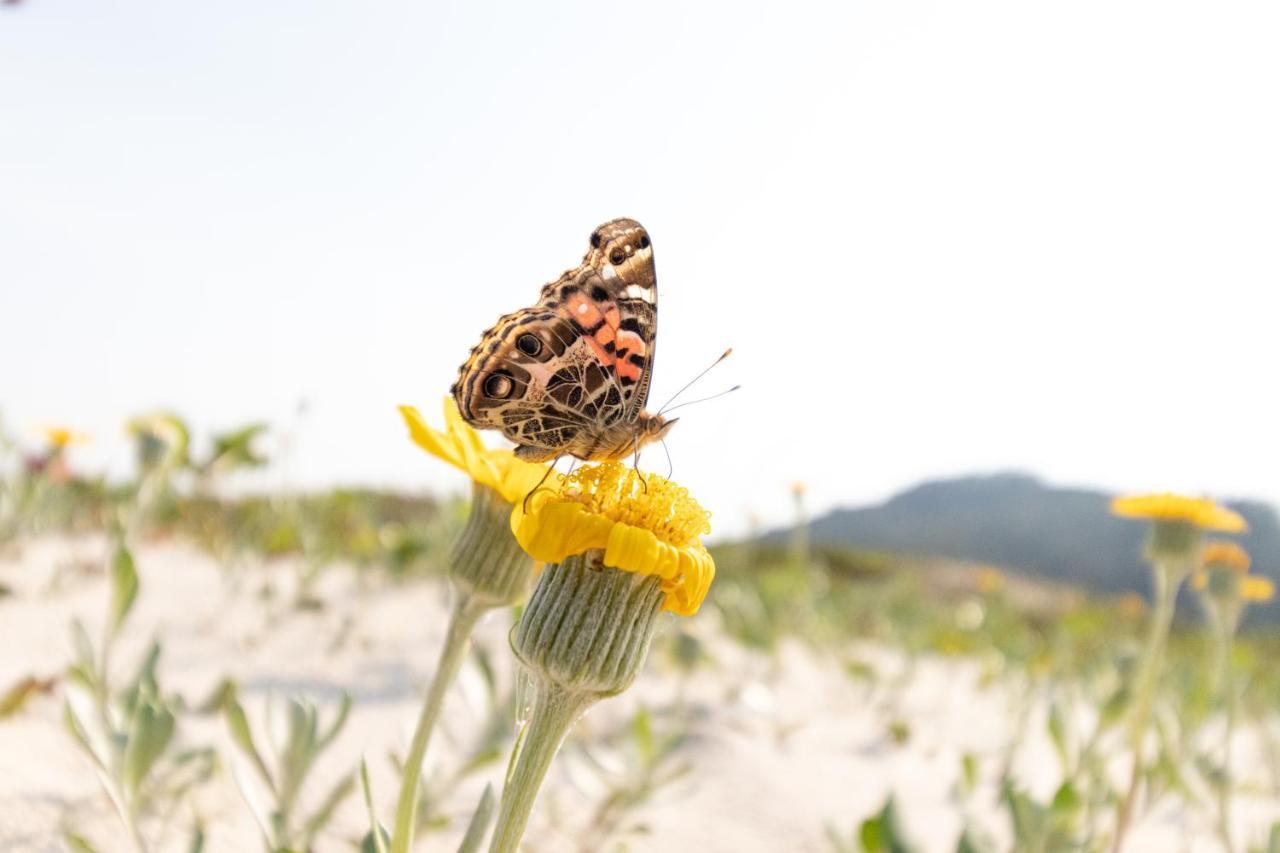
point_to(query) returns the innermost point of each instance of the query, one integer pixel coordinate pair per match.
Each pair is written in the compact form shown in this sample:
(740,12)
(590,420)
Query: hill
(1015,520)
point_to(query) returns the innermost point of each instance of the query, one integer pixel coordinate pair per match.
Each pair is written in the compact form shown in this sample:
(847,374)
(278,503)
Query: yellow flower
(649,527)
(461,447)
(1132,606)
(990,579)
(1254,588)
(1219,552)
(60,437)
(1200,512)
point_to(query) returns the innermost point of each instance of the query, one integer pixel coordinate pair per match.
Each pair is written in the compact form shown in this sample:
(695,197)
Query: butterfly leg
(532,491)
(635,465)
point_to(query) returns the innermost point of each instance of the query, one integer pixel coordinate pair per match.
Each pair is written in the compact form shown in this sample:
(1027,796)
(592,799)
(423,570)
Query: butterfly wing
(568,374)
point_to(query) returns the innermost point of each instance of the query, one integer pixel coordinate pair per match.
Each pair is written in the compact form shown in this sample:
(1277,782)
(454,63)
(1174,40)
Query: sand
(779,749)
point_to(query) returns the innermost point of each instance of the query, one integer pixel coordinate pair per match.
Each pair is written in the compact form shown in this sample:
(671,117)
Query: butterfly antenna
(705,399)
(690,383)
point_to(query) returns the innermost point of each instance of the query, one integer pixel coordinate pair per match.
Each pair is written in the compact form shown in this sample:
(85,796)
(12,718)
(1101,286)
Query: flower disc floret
(1168,507)
(461,447)
(648,526)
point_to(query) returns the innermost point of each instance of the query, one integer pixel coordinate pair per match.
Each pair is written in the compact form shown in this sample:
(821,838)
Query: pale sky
(942,237)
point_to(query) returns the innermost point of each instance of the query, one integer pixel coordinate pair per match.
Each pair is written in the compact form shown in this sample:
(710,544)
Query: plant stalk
(1167,579)
(467,611)
(555,710)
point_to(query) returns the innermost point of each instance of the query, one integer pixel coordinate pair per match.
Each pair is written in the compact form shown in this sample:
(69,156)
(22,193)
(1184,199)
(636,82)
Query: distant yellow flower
(990,579)
(1219,552)
(1254,588)
(649,527)
(1201,512)
(1132,606)
(461,447)
(60,437)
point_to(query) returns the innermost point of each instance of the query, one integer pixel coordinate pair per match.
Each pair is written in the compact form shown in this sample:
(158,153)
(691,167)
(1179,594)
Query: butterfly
(570,376)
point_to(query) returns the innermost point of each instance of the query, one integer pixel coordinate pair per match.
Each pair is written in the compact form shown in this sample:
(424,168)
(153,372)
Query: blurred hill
(1015,521)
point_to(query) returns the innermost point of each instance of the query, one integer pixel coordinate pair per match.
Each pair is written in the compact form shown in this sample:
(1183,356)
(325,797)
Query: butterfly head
(621,250)
(651,428)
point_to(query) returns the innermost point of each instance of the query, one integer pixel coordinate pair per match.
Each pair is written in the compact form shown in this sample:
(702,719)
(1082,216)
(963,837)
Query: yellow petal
(1220,552)
(436,443)
(1201,512)
(1254,588)
(461,447)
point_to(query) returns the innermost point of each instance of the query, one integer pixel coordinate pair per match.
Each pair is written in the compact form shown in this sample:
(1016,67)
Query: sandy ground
(780,749)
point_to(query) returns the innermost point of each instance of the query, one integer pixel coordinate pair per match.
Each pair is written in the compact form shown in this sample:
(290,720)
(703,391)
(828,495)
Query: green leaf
(969,772)
(1066,801)
(78,843)
(71,722)
(642,734)
(84,650)
(238,724)
(377,839)
(883,833)
(479,824)
(344,708)
(149,736)
(321,817)
(872,836)
(143,687)
(124,587)
(197,840)
(217,700)
(969,843)
(1058,734)
(1273,845)
(1114,708)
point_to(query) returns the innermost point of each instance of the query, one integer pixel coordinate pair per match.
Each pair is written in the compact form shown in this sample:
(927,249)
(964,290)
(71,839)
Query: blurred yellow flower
(990,579)
(649,527)
(461,447)
(1200,512)
(1254,588)
(1219,552)
(1132,606)
(60,437)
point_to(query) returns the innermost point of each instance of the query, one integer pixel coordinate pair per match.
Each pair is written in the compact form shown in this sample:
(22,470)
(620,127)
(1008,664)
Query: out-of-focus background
(942,238)
(983,265)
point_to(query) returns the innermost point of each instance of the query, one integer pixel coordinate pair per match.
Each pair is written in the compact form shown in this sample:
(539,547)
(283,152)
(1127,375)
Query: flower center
(617,492)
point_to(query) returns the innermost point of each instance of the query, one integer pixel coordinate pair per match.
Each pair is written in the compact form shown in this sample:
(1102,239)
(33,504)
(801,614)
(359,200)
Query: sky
(941,237)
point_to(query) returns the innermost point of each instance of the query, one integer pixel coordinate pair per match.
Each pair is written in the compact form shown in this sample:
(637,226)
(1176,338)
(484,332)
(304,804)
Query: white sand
(779,750)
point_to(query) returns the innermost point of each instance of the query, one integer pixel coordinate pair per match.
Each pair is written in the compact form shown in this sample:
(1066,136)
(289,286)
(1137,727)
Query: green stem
(1167,580)
(1229,697)
(555,710)
(466,613)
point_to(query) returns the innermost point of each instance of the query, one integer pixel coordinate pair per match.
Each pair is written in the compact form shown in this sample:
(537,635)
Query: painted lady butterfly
(571,374)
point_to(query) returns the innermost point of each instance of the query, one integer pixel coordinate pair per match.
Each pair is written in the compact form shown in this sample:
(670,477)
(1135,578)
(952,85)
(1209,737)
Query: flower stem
(1167,580)
(466,613)
(1227,679)
(555,710)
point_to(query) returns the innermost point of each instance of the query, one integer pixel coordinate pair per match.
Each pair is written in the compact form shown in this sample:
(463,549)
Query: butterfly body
(570,375)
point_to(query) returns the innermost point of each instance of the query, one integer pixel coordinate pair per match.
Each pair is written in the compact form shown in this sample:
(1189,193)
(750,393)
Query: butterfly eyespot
(595,239)
(498,386)
(529,344)
(643,243)
(617,257)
